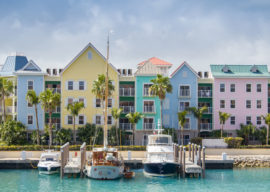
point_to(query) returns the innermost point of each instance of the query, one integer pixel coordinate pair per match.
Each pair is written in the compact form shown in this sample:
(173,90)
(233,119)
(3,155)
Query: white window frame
(30,115)
(179,108)
(83,85)
(79,119)
(29,104)
(232,120)
(248,105)
(100,119)
(259,120)
(100,100)
(260,87)
(32,84)
(231,87)
(220,104)
(111,120)
(154,106)
(231,104)
(68,85)
(247,120)
(111,102)
(250,87)
(153,122)
(179,90)
(223,88)
(148,95)
(68,120)
(260,106)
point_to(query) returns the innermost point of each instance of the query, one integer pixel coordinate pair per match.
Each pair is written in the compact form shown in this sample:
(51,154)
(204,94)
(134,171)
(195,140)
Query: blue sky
(201,32)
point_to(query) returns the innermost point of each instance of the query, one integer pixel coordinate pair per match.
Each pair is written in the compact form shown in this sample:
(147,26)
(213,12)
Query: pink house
(242,91)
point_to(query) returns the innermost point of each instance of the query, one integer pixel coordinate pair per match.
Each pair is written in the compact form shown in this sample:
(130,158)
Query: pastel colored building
(30,77)
(184,95)
(242,91)
(76,85)
(145,102)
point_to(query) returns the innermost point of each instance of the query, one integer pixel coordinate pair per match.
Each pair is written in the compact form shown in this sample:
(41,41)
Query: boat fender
(76,154)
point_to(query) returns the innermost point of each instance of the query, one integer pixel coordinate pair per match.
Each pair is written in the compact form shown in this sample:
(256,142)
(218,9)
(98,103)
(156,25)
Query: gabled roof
(148,69)
(156,61)
(81,52)
(13,64)
(240,71)
(31,68)
(184,64)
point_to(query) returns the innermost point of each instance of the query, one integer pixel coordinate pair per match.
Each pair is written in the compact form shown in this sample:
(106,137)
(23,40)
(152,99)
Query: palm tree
(33,99)
(267,122)
(161,86)
(134,118)
(223,117)
(116,113)
(245,131)
(99,90)
(198,113)
(49,102)
(74,109)
(182,121)
(6,89)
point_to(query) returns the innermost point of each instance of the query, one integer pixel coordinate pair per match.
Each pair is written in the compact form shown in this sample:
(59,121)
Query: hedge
(71,147)
(196,140)
(233,142)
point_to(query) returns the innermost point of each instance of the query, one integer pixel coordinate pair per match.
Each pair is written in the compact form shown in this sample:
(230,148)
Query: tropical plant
(223,117)
(13,133)
(172,132)
(161,86)
(63,136)
(74,109)
(116,113)
(33,99)
(90,134)
(49,102)
(245,131)
(233,142)
(134,118)
(267,122)
(198,113)
(182,121)
(6,89)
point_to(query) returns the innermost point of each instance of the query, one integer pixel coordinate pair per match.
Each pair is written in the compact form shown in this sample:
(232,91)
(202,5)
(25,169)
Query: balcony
(184,93)
(56,90)
(204,93)
(187,126)
(208,111)
(128,109)
(125,126)
(127,92)
(9,109)
(149,126)
(205,126)
(149,109)
(146,92)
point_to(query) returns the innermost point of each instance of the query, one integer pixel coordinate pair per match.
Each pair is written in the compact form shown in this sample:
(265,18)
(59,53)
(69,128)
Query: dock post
(64,150)
(189,151)
(83,157)
(203,162)
(184,163)
(180,154)
(199,155)
(192,152)
(196,155)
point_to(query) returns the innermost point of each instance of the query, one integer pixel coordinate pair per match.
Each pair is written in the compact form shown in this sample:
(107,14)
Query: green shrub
(63,136)
(90,134)
(196,140)
(233,142)
(13,132)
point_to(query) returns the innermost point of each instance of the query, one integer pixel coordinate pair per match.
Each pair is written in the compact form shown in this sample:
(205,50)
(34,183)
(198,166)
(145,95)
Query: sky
(201,32)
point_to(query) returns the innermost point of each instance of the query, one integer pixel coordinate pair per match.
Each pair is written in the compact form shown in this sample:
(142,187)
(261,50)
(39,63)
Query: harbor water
(216,181)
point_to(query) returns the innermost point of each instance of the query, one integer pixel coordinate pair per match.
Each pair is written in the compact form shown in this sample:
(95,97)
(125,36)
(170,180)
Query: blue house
(30,77)
(184,95)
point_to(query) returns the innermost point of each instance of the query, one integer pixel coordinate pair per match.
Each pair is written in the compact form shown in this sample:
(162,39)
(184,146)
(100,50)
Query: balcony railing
(187,126)
(125,126)
(149,126)
(9,109)
(205,126)
(128,109)
(180,109)
(208,111)
(204,93)
(56,90)
(184,93)
(127,92)
(147,93)
(149,109)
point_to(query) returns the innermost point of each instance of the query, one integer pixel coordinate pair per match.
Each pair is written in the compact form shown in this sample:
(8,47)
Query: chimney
(129,72)
(119,71)
(48,71)
(124,72)
(206,75)
(54,71)
(200,74)
(60,70)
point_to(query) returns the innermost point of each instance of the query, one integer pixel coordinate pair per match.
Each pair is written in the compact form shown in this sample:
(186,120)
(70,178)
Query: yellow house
(76,85)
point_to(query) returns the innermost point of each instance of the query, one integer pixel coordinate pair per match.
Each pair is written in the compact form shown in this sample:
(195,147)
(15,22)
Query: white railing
(149,109)
(184,109)
(187,126)
(205,126)
(208,111)
(147,93)
(149,126)
(56,90)
(184,93)
(125,126)
(127,92)
(204,93)
(9,109)
(128,109)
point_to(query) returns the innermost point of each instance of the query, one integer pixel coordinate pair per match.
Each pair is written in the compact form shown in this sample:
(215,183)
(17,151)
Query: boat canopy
(159,140)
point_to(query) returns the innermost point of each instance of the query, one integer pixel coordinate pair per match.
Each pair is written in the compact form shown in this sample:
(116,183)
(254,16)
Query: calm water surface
(216,180)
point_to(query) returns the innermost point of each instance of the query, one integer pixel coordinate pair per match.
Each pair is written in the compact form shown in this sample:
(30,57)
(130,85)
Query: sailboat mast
(105,135)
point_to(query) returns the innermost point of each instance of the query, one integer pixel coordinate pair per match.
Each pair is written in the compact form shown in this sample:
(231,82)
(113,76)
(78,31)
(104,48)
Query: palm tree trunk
(221,131)
(199,128)
(50,128)
(74,131)
(267,134)
(182,136)
(38,140)
(133,135)
(161,102)
(4,108)
(116,132)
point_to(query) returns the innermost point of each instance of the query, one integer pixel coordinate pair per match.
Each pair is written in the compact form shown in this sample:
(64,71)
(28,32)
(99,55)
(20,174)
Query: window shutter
(94,119)
(77,120)
(112,121)
(112,102)
(85,85)
(102,119)
(66,102)
(94,103)
(66,85)
(75,85)
(66,120)
(85,102)
(84,119)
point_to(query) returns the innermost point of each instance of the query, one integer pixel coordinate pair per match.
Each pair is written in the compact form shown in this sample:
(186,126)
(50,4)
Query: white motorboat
(73,166)
(49,163)
(160,156)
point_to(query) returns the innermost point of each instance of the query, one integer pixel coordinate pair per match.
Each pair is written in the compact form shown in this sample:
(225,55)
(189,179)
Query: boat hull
(161,169)
(48,171)
(102,172)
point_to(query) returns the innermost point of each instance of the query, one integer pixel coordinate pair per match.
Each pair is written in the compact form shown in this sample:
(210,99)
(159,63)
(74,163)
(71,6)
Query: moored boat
(49,163)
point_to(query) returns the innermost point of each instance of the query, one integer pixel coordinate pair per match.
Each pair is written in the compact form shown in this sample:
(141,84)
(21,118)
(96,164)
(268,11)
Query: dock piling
(196,155)
(64,157)
(203,162)
(189,151)
(83,157)
(193,152)
(184,163)
(180,154)
(199,155)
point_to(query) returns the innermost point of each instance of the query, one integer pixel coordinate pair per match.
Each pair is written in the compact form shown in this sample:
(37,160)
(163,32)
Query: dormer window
(254,69)
(226,69)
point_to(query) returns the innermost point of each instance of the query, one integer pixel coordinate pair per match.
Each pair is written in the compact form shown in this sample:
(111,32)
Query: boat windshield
(48,159)
(159,140)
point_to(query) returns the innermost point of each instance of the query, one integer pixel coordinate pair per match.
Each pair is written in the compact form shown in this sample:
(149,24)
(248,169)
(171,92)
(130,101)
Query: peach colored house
(242,91)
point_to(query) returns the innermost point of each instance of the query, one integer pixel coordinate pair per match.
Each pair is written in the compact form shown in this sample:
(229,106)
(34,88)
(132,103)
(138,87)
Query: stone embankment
(251,161)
